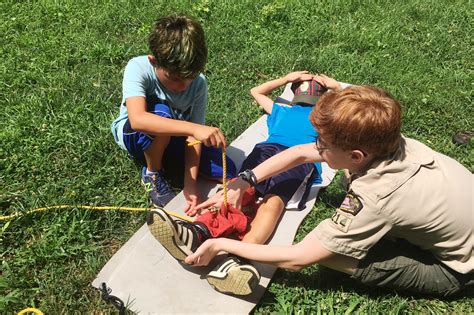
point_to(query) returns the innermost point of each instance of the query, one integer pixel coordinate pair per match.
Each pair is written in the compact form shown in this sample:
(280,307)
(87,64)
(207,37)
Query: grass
(60,82)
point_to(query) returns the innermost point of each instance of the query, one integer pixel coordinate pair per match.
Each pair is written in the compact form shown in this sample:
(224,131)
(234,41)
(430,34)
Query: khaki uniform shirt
(418,195)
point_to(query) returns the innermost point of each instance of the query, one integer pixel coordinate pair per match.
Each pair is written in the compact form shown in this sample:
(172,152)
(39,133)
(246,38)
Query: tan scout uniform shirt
(419,195)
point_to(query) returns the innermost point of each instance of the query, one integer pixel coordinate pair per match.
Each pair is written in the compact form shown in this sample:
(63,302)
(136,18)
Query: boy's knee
(159,109)
(274,202)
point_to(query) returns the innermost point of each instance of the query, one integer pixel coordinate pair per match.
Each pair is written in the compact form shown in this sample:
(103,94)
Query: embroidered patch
(341,221)
(351,204)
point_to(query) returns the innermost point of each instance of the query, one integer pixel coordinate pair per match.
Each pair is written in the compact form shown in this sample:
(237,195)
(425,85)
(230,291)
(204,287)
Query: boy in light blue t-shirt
(163,107)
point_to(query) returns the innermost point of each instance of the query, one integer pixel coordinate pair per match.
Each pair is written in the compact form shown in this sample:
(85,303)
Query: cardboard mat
(149,280)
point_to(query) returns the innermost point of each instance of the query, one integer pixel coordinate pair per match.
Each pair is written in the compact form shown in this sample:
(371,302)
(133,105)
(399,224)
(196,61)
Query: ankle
(202,231)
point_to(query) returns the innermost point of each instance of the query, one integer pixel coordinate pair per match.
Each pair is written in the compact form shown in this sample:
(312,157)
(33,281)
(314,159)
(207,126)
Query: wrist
(189,181)
(249,177)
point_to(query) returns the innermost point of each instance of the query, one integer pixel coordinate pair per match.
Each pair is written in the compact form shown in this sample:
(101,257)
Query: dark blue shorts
(137,142)
(284,184)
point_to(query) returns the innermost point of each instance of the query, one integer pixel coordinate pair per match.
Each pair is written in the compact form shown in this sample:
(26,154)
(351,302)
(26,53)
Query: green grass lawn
(60,87)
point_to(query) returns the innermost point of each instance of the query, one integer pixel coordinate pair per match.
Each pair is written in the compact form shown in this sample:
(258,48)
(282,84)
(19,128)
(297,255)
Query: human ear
(152,60)
(357,156)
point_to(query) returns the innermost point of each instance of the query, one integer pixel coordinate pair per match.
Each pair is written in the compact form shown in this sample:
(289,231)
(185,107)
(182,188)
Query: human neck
(363,166)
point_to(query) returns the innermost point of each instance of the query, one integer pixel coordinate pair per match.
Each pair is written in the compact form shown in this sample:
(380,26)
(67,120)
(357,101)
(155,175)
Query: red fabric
(231,222)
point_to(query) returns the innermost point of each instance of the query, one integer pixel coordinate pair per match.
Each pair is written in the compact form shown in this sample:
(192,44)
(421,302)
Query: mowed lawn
(60,87)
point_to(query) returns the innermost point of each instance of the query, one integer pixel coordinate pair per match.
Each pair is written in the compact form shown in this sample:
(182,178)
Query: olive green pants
(401,266)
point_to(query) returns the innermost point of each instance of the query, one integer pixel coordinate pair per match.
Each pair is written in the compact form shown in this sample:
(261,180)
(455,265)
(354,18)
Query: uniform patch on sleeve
(351,204)
(341,221)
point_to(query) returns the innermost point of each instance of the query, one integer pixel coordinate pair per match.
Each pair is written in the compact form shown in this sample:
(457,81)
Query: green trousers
(402,266)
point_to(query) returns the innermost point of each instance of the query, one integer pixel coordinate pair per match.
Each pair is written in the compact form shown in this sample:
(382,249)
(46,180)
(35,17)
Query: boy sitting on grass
(287,126)
(164,101)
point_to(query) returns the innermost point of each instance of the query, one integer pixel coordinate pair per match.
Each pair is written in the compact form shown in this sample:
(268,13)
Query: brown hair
(359,117)
(179,46)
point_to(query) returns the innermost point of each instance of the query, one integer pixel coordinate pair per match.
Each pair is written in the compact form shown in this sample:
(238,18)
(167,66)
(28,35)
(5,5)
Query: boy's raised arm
(260,92)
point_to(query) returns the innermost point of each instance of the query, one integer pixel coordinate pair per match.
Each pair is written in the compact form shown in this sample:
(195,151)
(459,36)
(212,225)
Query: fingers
(220,139)
(203,255)
(192,259)
(206,204)
(187,208)
(319,77)
(190,210)
(213,137)
(215,200)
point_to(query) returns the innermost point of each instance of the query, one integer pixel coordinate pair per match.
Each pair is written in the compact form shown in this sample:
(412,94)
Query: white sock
(148,172)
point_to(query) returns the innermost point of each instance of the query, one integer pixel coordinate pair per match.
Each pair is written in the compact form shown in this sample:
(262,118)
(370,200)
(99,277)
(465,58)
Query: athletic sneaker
(180,238)
(234,277)
(157,187)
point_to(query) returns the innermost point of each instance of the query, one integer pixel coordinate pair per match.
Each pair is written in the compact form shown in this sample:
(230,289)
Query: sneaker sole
(241,280)
(163,229)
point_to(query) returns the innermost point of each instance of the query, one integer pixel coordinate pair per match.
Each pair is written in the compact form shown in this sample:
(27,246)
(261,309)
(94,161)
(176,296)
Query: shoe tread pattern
(164,233)
(239,281)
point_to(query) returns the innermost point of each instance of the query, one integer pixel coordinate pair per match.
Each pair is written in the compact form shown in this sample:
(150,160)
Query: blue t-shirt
(139,79)
(290,126)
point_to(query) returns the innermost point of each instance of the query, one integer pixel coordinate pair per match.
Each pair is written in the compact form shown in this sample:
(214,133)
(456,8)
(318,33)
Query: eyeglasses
(319,148)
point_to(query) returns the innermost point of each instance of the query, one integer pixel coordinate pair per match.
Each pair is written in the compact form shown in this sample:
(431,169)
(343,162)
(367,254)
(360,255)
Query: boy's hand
(209,136)
(204,254)
(235,192)
(192,199)
(298,76)
(328,82)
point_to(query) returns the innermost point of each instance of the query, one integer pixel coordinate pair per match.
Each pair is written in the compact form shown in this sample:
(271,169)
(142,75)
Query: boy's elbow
(135,124)
(298,260)
(295,268)
(292,266)
(253,92)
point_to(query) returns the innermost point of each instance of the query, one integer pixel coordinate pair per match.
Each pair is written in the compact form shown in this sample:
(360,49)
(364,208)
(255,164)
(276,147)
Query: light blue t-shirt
(290,126)
(139,79)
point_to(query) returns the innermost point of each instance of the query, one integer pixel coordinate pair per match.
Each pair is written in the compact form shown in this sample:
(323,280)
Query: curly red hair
(359,117)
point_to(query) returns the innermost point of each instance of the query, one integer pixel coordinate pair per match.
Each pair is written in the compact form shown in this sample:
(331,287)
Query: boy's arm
(287,159)
(295,257)
(260,92)
(328,82)
(141,120)
(291,157)
(191,171)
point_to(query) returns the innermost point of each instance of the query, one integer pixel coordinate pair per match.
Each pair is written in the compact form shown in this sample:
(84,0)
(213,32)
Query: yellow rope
(30,310)
(224,177)
(98,208)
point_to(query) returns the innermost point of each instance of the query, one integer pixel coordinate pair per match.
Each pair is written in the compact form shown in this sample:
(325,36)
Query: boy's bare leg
(154,153)
(265,220)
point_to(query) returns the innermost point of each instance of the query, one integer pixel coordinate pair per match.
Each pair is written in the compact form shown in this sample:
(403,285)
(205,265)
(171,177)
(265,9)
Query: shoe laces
(160,184)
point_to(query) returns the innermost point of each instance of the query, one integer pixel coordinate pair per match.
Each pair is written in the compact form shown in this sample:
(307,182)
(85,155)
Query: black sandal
(463,137)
